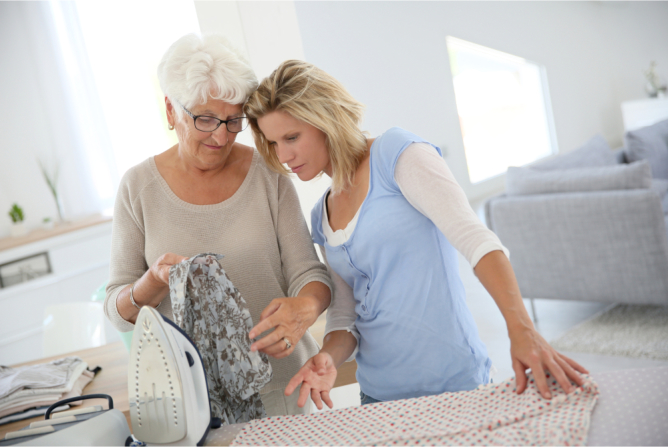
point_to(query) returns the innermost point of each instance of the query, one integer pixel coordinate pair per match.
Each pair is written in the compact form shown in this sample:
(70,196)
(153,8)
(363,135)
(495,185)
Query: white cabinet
(644,112)
(79,262)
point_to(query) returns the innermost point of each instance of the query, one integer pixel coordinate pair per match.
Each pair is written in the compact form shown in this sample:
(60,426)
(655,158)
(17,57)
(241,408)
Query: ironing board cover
(211,311)
(490,414)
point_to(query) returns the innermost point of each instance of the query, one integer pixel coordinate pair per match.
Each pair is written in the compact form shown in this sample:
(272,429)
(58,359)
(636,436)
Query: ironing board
(631,410)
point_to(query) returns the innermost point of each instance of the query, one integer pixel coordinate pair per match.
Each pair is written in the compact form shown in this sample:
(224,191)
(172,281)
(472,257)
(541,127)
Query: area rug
(627,330)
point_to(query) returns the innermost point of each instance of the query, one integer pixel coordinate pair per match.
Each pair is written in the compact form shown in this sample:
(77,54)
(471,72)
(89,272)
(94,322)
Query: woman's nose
(221,135)
(282,153)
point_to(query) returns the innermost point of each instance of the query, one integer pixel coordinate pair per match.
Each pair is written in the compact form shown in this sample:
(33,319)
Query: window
(503,107)
(124,65)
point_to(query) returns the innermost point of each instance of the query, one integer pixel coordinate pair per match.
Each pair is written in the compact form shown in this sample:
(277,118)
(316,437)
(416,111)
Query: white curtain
(51,115)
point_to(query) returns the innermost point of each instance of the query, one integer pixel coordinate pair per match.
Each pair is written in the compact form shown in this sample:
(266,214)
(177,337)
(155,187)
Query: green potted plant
(47,223)
(51,178)
(17,216)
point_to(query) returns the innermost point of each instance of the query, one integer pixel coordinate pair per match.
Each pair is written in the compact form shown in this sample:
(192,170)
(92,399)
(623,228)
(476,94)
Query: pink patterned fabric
(490,414)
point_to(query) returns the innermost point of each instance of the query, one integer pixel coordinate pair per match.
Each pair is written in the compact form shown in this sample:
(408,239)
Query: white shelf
(644,112)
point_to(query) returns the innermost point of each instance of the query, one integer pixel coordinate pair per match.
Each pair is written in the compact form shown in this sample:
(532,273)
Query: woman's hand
(528,349)
(317,378)
(290,318)
(150,289)
(159,271)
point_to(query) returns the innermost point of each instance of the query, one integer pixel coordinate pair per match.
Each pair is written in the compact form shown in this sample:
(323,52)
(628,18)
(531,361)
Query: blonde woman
(388,229)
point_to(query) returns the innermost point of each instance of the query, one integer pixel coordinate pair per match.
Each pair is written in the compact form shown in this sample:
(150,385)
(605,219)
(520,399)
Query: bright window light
(503,106)
(124,63)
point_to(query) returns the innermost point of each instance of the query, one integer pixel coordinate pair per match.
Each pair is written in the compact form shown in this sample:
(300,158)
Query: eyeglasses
(209,123)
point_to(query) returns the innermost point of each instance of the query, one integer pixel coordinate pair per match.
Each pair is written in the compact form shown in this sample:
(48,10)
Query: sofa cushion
(595,152)
(528,180)
(660,186)
(649,143)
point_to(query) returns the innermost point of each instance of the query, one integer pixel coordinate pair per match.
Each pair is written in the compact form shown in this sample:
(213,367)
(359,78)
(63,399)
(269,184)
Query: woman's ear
(171,114)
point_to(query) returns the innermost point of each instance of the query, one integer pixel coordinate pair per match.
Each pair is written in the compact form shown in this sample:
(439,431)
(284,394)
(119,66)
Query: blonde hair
(315,97)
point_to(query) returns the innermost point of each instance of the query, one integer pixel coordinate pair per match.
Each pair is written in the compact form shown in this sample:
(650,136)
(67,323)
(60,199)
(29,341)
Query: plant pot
(18,229)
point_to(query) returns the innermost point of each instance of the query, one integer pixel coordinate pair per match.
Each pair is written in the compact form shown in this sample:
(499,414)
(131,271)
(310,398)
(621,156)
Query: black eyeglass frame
(194,117)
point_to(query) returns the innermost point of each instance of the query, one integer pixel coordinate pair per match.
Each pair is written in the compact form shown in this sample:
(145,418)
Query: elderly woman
(208,193)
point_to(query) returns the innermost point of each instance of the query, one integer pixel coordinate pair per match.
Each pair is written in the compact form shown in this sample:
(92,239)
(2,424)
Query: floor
(554,319)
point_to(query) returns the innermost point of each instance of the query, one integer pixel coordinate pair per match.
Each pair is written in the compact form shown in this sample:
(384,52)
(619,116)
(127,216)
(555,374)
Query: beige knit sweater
(260,230)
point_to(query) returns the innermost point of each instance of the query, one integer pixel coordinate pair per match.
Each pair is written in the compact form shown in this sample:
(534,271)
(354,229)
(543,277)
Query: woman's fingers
(541,380)
(315,396)
(572,374)
(272,338)
(173,258)
(263,326)
(559,375)
(277,350)
(273,306)
(293,384)
(303,394)
(520,376)
(164,263)
(298,378)
(320,364)
(327,399)
(575,365)
(279,354)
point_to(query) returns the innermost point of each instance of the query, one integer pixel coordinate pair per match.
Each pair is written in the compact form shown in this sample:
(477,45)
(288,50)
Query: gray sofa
(591,224)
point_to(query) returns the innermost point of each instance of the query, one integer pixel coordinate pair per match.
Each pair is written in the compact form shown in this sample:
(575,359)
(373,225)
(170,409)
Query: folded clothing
(55,374)
(28,388)
(490,414)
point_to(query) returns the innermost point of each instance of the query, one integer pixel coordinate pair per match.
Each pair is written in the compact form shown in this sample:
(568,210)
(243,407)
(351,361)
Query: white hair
(196,68)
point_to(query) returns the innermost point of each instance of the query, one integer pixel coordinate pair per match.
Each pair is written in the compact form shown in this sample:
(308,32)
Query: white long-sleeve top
(428,184)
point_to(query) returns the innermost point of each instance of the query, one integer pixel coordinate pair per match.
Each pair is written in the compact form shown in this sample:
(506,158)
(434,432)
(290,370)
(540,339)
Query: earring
(170,127)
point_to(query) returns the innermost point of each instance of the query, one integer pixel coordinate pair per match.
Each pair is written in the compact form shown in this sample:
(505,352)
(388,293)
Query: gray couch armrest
(609,246)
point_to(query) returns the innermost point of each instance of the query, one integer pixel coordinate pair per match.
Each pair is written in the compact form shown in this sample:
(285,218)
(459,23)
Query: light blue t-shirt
(417,336)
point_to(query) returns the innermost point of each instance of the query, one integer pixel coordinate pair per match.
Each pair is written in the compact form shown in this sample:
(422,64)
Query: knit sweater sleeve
(128,263)
(299,261)
(341,314)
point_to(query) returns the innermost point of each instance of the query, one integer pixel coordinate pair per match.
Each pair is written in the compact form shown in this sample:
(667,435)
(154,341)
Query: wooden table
(113,379)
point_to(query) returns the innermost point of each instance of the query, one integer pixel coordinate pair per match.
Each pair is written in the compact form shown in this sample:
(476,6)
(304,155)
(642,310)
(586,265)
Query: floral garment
(211,311)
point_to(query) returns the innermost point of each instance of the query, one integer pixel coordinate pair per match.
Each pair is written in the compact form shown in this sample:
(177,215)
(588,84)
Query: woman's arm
(341,314)
(420,172)
(340,344)
(128,263)
(309,285)
(427,183)
(149,290)
(528,349)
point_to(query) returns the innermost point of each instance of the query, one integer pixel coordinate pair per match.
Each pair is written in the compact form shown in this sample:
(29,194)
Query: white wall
(35,122)
(392,56)
(268,33)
